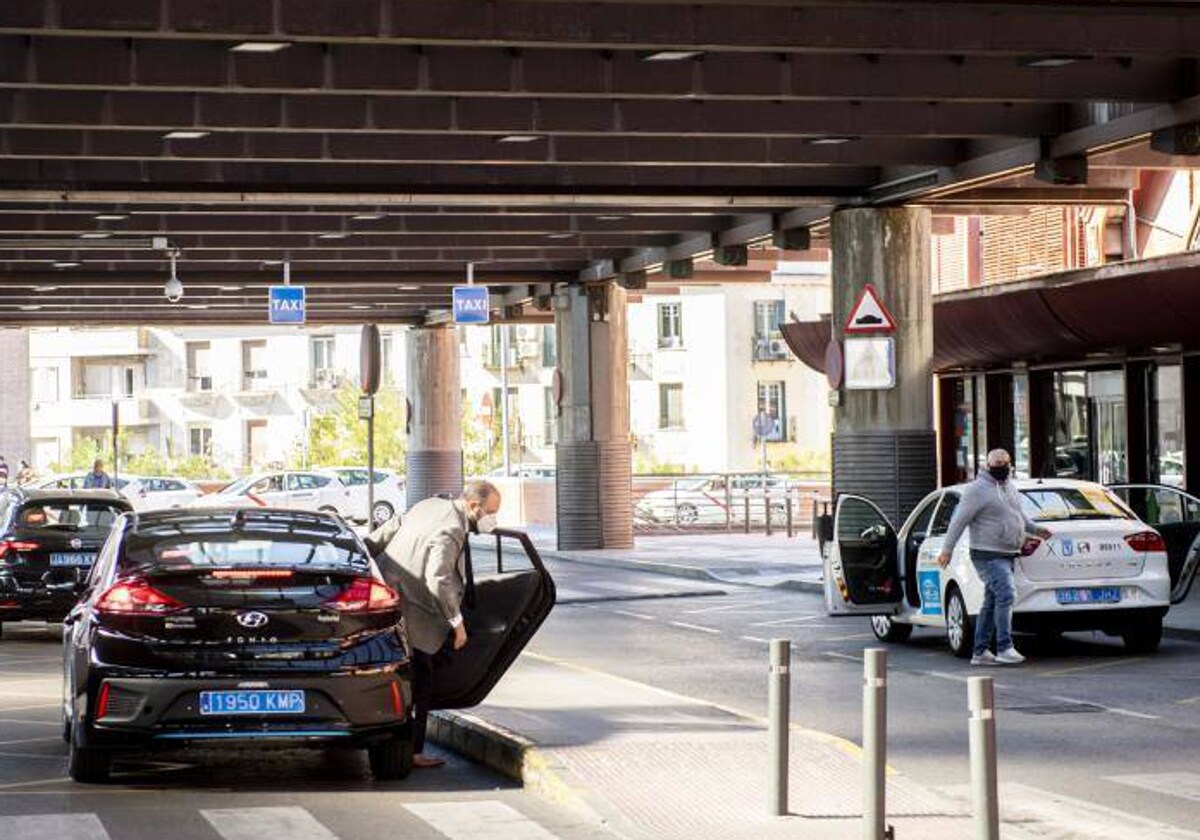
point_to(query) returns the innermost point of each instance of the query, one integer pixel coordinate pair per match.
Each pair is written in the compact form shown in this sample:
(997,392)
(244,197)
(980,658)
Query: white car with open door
(1102,568)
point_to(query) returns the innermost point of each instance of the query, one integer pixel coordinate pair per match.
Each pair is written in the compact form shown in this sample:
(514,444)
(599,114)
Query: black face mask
(999,473)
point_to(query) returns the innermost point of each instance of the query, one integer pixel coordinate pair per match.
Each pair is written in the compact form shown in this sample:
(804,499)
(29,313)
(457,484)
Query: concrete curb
(506,752)
(1186,634)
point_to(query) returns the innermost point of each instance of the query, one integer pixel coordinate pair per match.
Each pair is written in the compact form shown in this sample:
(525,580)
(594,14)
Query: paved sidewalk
(776,562)
(651,763)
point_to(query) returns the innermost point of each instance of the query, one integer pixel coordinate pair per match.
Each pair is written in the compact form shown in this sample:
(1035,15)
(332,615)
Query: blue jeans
(996,572)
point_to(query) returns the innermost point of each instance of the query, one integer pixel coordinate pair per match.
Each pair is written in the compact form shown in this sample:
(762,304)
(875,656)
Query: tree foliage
(338,437)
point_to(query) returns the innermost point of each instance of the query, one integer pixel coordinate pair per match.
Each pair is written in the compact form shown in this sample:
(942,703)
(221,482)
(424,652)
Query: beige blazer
(422,557)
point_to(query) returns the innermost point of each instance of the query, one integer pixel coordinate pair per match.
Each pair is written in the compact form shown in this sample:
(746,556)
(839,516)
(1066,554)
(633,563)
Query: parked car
(289,490)
(1102,568)
(73,481)
(710,500)
(48,543)
(158,492)
(255,626)
(389,492)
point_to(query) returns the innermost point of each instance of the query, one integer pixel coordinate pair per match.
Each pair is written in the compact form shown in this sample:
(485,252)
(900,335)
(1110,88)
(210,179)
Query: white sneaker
(985,658)
(1009,657)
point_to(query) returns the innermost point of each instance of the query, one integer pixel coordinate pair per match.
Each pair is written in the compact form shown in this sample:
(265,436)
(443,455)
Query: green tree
(339,437)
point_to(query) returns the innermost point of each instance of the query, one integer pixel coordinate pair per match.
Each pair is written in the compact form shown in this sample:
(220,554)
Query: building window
(320,354)
(103,380)
(45,385)
(772,412)
(254,365)
(1166,413)
(670,324)
(199,374)
(768,340)
(200,441)
(670,405)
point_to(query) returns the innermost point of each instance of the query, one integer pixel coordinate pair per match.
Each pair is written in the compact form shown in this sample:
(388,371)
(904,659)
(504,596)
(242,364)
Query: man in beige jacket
(423,557)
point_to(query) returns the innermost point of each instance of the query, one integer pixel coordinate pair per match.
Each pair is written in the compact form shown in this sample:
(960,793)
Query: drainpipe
(1131,226)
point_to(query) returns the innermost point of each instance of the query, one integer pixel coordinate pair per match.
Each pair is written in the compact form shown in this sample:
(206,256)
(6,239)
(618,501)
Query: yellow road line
(1095,666)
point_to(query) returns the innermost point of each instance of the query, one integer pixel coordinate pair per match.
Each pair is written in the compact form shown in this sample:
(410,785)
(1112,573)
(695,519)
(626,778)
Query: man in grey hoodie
(991,508)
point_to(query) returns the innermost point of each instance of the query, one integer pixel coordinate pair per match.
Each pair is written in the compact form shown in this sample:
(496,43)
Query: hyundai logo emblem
(76,543)
(253,620)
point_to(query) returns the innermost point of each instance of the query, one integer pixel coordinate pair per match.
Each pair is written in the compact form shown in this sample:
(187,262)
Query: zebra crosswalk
(455,820)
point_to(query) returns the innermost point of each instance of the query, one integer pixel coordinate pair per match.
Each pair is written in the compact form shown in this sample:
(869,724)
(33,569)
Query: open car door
(1176,516)
(862,575)
(514,594)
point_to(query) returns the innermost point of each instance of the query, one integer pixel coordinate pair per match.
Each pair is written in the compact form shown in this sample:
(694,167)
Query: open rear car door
(514,594)
(1176,516)
(862,573)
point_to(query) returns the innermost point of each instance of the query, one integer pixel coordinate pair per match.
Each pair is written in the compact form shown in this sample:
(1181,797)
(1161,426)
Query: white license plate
(74,559)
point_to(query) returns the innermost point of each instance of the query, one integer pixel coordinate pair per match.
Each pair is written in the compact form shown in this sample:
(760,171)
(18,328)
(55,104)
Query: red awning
(1120,307)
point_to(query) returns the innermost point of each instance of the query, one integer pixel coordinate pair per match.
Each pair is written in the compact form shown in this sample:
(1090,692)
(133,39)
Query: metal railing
(742,502)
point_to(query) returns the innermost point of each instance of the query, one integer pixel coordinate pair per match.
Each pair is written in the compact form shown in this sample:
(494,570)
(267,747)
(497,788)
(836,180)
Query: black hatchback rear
(240,627)
(49,540)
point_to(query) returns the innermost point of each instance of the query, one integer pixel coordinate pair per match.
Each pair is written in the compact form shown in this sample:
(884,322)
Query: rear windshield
(241,549)
(66,516)
(1058,503)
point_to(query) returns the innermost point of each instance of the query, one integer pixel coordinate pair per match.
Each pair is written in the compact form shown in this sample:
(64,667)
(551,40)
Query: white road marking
(472,820)
(793,620)
(942,675)
(755,639)
(642,616)
(1115,711)
(29,740)
(56,826)
(628,588)
(739,607)
(1183,785)
(699,627)
(837,655)
(259,823)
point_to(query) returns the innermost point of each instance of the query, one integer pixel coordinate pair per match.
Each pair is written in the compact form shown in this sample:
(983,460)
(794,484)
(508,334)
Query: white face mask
(486,523)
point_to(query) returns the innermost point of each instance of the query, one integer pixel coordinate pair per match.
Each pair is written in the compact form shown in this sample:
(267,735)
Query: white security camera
(174,288)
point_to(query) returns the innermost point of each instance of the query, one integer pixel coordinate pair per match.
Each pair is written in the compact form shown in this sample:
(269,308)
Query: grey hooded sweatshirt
(992,509)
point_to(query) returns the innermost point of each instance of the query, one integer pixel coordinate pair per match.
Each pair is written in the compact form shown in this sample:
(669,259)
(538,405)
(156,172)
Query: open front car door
(514,594)
(862,576)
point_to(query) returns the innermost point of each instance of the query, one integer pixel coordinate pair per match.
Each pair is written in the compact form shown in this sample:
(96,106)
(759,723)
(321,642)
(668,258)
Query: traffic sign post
(286,305)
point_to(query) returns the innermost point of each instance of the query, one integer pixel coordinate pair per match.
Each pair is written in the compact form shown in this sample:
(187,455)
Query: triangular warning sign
(869,315)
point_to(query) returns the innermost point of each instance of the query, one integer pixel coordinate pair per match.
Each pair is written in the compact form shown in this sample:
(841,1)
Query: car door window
(295,481)
(945,513)
(314,482)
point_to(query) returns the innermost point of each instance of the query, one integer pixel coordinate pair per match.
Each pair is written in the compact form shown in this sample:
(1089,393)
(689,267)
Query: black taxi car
(48,542)
(262,627)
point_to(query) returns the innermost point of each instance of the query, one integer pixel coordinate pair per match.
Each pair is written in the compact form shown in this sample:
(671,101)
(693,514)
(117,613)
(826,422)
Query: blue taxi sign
(286,305)
(471,304)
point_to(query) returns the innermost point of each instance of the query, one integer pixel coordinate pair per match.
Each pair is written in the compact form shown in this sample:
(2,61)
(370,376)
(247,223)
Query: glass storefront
(1020,453)
(1072,422)
(970,427)
(1166,423)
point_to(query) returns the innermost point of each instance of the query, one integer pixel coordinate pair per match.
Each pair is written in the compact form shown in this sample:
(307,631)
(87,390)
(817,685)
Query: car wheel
(381,513)
(88,766)
(1144,636)
(887,630)
(960,628)
(686,514)
(392,759)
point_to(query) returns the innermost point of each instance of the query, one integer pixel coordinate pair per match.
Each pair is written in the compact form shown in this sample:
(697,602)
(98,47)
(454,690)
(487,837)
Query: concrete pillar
(883,444)
(435,459)
(15,398)
(595,500)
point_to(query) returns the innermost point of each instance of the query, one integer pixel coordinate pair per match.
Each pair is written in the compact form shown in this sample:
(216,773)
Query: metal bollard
(875,744)
(981,695)
(746,500)
(767,508)
(778,712)
(789,516)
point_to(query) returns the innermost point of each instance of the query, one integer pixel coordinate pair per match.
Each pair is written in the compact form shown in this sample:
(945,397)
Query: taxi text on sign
(471,304)
(286,304)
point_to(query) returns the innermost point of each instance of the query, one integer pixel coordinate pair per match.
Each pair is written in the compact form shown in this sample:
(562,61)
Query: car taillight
(135,597)
(397,701)
(1030,546)
(1146,541)
(102,703)
(365,595)
(14,546)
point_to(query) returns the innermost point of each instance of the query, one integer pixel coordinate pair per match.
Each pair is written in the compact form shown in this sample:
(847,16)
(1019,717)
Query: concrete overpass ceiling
(379,145)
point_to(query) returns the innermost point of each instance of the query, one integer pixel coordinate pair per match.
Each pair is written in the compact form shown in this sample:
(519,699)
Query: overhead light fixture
(609,218)
(30,307)
(332,235)
(672,55)
(828,141)
(229,288)
(66,264)
(367,217)
(45,288)
(196,306)
(559,235)
(185,135)
(518,138)
(95,234)
(410,288)
(359,306)
(270,263)
(1050,60)
(111,217)
(260,46)
(173,289)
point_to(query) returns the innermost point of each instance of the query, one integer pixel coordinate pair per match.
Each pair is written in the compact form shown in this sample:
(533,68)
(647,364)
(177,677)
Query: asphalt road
(235,795)
(1082,718)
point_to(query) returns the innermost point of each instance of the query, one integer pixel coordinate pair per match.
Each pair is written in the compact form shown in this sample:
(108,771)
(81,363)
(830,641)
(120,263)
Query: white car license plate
(1093,595)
